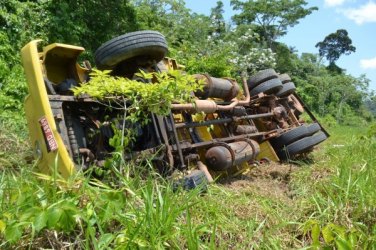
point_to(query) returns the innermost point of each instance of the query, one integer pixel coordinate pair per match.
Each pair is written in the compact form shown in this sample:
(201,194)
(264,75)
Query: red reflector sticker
(48,135)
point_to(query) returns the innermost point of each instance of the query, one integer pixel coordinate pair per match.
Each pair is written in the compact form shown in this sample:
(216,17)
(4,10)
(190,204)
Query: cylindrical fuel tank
(224,156)
(222,88)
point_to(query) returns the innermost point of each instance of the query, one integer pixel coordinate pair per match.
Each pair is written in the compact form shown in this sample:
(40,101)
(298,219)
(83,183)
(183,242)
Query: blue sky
(358,17)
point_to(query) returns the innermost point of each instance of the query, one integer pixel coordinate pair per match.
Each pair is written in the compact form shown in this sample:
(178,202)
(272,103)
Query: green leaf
(13,233)
(67,221)
(327,234)
(54,215)
(315,234)
(2,226)
(342,244)
(353,237)
(40,220)
(105,240)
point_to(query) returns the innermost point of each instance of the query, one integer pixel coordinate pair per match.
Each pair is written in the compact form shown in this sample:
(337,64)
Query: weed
(325,203)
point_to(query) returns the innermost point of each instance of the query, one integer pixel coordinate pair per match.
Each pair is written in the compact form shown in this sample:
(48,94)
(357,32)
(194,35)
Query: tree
(272,17)
(218,22)
(335,45)
(89,23)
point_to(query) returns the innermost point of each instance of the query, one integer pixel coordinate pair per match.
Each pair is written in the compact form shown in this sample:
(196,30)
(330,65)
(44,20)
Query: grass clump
(89,214)
(326,203)
(338,202)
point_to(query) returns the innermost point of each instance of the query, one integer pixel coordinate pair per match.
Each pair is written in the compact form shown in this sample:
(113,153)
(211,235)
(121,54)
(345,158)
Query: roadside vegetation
(324,201)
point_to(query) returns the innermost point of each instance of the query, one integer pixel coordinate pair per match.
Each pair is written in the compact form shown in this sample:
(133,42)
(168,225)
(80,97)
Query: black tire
(287,89)
(313,128)
(269,87)
(261,76)
(289,137)
(151,44)
(285,78)
(318,138)
(300,146)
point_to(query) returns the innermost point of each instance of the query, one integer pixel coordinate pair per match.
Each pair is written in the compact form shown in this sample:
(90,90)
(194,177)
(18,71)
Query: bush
(14,88)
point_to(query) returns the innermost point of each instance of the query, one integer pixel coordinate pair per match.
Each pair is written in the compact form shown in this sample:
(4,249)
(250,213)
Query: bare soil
(268,180)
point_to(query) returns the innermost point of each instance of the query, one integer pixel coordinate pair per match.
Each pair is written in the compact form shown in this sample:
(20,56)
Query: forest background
(325,202)
(206,44)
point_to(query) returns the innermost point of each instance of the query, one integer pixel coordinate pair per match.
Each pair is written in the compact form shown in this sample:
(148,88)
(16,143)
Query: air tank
(225,155)
(223,88)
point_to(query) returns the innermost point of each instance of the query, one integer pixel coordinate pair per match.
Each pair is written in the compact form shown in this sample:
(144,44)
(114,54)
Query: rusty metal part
(88,154)
(221,121)
(255,147)
(290,111)
(246,129)
(263,109)
(204,169)
(246,93)
(205,144)
(206,106)
(200,165)
(72,136)
(192,158)
(223,88)
(49,86)
(224,156)
(170,157)
(180,152)
(238,111)
(296,104)
(162,136)
(270,125)
(281,115)
(280,112)
(87,65)
(228,107)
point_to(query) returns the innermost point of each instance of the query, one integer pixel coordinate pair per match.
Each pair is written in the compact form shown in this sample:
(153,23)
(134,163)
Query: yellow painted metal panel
(37,106)
(267,151)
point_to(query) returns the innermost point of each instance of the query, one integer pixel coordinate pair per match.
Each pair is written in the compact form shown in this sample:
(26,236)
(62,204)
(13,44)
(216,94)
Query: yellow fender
(48,146)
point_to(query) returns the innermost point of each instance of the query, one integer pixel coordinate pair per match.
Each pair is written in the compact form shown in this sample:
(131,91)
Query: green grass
(326,202)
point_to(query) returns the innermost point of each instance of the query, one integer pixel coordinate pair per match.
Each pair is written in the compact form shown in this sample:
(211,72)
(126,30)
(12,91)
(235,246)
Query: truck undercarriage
(224,131)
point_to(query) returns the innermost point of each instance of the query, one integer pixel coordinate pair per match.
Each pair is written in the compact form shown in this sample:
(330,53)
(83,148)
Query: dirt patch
(270,180)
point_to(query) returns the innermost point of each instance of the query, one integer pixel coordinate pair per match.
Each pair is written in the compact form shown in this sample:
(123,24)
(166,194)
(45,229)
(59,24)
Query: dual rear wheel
(298,140)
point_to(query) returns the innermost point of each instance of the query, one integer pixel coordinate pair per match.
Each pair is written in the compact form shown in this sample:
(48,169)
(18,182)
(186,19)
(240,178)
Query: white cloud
(364,14)
(332,3)
(368,63)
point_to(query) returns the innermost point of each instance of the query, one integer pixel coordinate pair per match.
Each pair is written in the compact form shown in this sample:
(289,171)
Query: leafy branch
(141,98)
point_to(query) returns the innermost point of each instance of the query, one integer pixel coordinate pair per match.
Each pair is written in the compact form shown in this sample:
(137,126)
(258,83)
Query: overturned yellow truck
(224,131)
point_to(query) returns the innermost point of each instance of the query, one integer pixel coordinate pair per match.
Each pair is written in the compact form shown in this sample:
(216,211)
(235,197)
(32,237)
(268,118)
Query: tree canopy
(336,44)
(203,43)
(272,18)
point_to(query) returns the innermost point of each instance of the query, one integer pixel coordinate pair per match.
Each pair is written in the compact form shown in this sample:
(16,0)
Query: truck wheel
(287,89)
(301,146)
(313,128)
(261,76)
(289,137)
(285,78)
(269,87)
(318,138)
(151,44)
